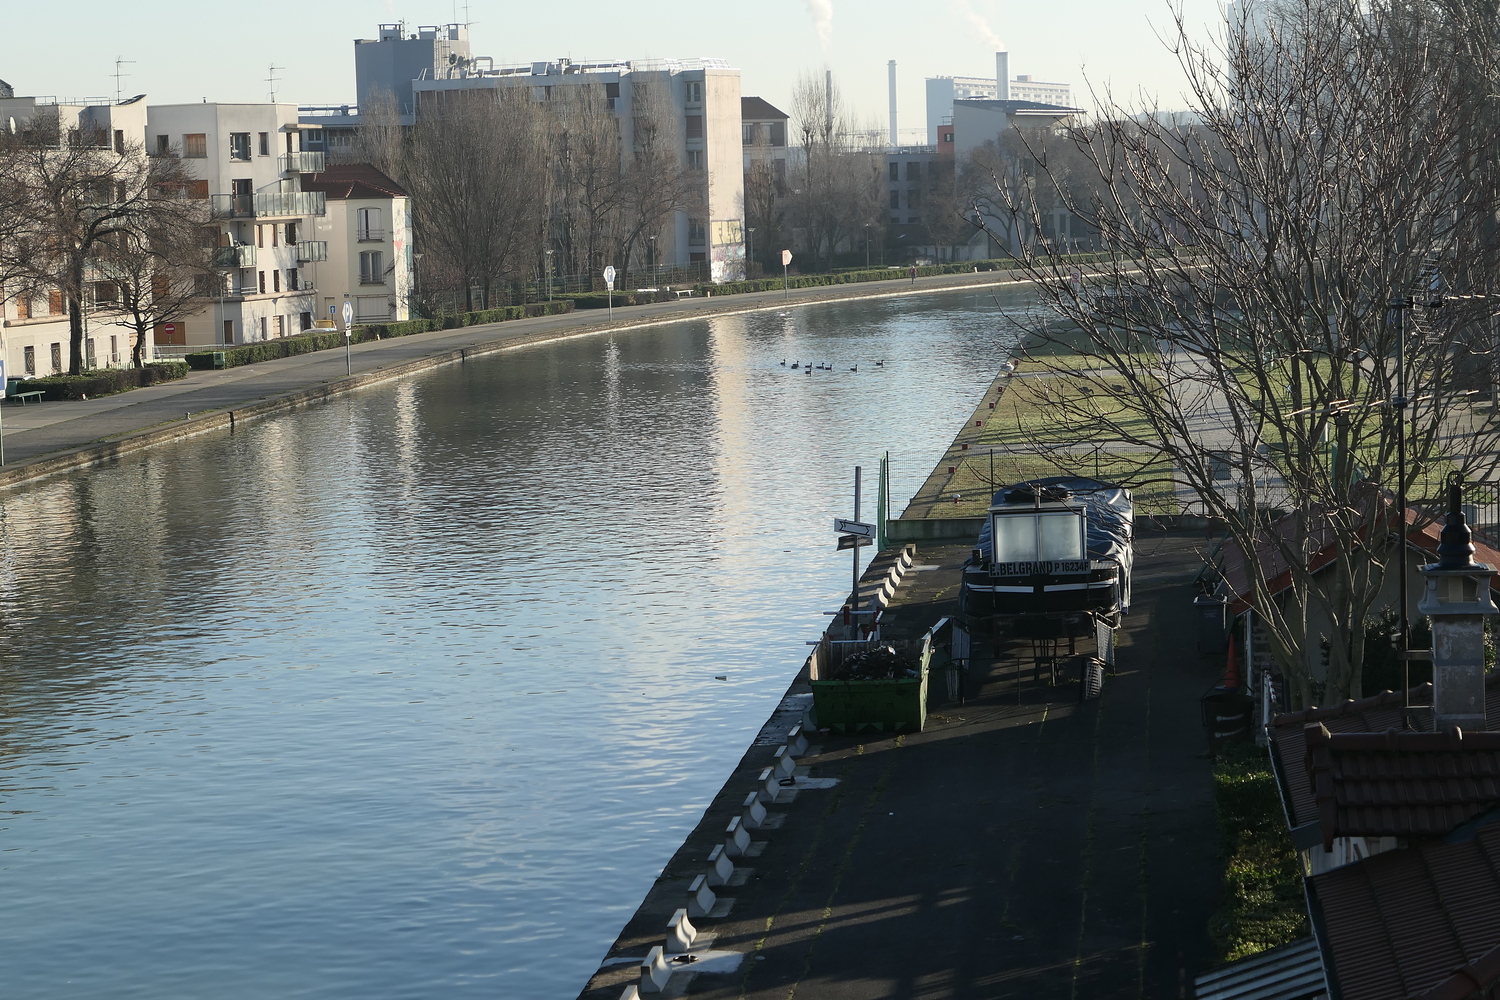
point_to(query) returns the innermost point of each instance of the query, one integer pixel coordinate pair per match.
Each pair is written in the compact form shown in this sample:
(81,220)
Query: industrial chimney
(1002,75)
(828,105)
(895,140)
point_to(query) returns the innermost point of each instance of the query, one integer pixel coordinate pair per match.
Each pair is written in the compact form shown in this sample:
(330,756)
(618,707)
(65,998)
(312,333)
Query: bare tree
(656,183)
(764,195)
(587,180)
(476,168)
(1242,326)
(839,185)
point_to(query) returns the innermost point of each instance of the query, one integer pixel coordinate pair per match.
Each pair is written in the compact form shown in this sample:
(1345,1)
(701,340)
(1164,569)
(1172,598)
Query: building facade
(367,231)
(944,91)
(249,162)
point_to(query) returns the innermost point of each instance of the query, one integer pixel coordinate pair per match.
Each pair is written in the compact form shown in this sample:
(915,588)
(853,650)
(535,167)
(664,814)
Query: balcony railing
(309,251)
(369,235)
(305,162)
(233,257)
(268,204)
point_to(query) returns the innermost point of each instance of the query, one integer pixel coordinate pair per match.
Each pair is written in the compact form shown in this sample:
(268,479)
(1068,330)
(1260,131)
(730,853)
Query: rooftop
(756,109)
(353,180)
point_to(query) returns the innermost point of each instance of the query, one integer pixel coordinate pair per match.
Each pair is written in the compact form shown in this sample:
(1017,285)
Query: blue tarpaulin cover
(1108,521)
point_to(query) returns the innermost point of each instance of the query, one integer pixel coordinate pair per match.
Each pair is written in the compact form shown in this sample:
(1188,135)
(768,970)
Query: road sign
(348,316)
(860,528)
(786,257)
(170,329)
(609,277)
(853,541)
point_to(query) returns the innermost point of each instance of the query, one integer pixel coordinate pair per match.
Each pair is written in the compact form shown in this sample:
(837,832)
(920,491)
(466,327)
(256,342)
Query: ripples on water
(415,691)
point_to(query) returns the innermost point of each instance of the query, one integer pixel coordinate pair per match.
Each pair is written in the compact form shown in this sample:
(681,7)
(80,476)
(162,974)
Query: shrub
(104,381)
(600,300)
(1263,901)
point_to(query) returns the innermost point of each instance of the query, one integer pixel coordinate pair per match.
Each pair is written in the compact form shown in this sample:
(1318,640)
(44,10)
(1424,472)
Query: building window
(239,145)
(23,307)
(291,234)
(262,282)
(371,267)
(695,126)
(747,131)
(88,354)
(262,328)
(260,237)
(163,145)
(279,326)
(276,281)
(28,360)
(265,144)
(55,302)
(778,133)
(195,146)
(229,331)
(913,197)
(947,136)
(697,233)
(612,90)
(307,321)
(368,226)
(275,235)
(695,159)
(56,356)
(105,292)
(694,92)
(914,171)
(291,279)
(114,349)
(895,171)
(895,199)
(697,258)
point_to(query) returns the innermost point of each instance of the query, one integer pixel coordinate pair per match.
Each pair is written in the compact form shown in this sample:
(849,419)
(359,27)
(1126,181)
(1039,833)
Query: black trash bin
(1213,623)
(1227,713)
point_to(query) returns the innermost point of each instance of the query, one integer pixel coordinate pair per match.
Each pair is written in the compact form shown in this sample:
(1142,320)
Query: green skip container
(879,706)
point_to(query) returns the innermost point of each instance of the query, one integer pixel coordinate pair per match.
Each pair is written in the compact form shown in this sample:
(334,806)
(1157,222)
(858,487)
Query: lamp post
(867,246)
(751,234)
(651,258)
(549,275)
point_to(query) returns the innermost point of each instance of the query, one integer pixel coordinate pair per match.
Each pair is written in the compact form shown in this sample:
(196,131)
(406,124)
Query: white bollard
(723,869)
(701,898)
(770,787)
(632,992)
(736,840)
(680,934)
(785,764)
(797,739)
(753,814)
(655,971)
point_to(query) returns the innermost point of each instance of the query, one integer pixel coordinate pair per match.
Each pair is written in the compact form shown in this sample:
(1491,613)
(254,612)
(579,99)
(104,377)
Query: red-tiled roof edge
(352,176)
(1420,695)
(1410,742)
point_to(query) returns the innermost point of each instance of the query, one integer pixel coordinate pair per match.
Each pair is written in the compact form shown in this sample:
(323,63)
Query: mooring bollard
(655,971)
(797,740)
(680,934)
(786,764)
(736,840)
(701,898)
(769,785)
(723,869)
(753,814)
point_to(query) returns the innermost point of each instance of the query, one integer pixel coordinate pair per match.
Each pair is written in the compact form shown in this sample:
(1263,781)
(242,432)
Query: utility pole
(854,588)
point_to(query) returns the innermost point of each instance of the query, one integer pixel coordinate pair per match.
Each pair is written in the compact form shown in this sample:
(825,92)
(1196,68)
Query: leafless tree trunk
(839,186)
(587,185)
(656,183)
(1331,166)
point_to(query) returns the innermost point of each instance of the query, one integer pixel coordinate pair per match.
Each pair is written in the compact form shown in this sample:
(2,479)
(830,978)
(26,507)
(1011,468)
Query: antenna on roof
(120,75)
(272,81)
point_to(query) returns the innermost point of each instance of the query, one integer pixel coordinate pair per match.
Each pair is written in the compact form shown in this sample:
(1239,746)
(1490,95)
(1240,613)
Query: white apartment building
(943,91)
(34,333)
(367,230)
(704,97)
(249,163)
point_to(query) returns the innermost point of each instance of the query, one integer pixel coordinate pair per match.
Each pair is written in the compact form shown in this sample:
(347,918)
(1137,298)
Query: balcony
(270,204)
(369,235)
(235,257)
(309,251)
(305,162)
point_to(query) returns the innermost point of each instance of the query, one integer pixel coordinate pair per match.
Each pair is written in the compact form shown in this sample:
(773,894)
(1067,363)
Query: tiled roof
(1290,972)
(1415,924)
(1400,784)
(755,109)
(353,180)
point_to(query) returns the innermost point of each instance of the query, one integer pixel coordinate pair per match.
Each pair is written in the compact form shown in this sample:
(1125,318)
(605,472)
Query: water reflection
(415,690)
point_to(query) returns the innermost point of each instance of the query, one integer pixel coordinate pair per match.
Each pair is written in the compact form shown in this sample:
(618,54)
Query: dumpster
(1213,623)
(853,704)
(1228,713)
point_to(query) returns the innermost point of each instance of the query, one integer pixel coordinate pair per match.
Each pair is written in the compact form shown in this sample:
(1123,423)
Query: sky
(186,50)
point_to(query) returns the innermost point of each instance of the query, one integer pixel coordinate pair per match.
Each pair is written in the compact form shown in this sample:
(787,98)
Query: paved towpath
(41,431)
(1024,846)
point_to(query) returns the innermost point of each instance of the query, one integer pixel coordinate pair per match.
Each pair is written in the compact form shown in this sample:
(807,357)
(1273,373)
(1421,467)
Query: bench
(22,397)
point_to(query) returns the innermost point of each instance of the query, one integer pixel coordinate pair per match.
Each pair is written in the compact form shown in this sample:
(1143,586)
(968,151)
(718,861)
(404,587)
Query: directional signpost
(859,528)
(786,258)
(609,284)
(348,322)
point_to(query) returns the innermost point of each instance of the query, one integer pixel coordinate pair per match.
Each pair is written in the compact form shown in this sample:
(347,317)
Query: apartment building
(367,231)
(702,97)
(249,161)
(34,330)
(944,91)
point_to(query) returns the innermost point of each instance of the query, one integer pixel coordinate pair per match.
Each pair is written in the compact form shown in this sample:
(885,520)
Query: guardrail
(268,204)
(305,162)
(235,257)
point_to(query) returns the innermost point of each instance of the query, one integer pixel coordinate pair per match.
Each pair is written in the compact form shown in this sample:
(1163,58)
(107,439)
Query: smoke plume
(822,15)
(966,10)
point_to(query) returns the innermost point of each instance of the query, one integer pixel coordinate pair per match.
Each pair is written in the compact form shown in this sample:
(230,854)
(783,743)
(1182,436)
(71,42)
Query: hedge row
(103,381)
(601,300)
(874,274)
(323,340)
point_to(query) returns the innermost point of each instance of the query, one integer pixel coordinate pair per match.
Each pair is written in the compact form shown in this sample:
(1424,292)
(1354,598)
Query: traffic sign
(609,277)
(348,316)
(786,257)
(854,541)
(860,528)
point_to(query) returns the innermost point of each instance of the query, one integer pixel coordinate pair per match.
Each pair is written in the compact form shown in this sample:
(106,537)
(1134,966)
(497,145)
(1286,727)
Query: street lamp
(549,274)
(867,246)
(651,258)
(751,232)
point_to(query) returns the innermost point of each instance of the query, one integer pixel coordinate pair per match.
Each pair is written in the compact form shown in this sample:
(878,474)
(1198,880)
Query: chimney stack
(895,139)
(828,96)
(1002,75)
(1457,601)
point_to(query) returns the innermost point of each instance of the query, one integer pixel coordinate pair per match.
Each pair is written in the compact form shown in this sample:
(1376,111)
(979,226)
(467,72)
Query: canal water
(414,693)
